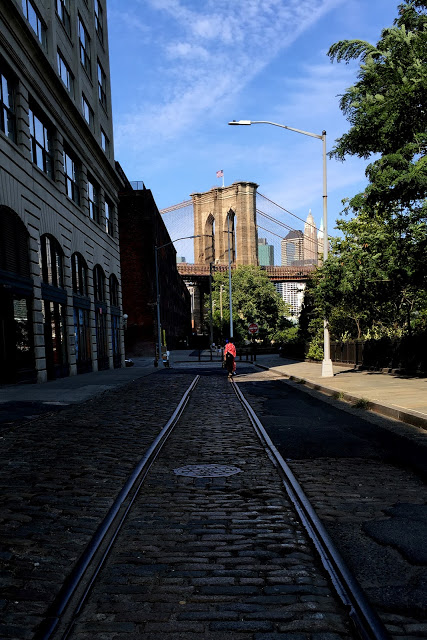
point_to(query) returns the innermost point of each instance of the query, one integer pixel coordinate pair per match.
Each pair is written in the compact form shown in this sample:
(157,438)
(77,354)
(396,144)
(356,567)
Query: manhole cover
(207,470)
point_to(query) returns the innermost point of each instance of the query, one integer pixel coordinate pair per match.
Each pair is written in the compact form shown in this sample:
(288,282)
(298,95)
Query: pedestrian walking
(230,357)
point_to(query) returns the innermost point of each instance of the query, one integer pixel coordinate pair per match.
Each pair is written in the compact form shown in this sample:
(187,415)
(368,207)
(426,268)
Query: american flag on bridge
(220,174)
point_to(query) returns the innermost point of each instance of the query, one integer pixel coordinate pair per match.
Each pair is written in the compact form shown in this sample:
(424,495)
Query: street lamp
(159,327)
(229,275)
(327,369)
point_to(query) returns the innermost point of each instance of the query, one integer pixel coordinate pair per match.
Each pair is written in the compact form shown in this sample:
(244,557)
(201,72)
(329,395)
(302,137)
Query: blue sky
(181,69)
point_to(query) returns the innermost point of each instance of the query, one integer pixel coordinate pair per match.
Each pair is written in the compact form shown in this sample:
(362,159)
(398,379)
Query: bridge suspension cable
(286,210)
(175,207)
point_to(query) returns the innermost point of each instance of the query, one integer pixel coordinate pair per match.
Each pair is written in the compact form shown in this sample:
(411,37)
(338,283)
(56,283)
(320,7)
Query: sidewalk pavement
(400,397)
(395,396)
(75,389)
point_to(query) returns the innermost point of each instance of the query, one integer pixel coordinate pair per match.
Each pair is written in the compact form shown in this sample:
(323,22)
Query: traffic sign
(253,328)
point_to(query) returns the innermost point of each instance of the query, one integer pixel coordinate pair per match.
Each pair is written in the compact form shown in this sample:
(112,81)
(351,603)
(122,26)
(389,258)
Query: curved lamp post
(327,369)
(159,326)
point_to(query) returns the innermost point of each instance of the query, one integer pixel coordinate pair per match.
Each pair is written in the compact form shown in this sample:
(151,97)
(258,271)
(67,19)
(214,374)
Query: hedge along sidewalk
(400,397)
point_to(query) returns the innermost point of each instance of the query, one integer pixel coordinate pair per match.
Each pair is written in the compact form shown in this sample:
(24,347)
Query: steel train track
(67,605)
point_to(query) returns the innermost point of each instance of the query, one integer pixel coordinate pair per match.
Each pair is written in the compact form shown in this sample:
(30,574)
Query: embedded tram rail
(211,536)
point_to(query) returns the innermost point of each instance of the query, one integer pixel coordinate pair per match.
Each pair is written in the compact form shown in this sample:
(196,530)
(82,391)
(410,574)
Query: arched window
(51,261)
(13,244)
(99,283)
(230,228)
(114,291)
(210,239)
(79,274)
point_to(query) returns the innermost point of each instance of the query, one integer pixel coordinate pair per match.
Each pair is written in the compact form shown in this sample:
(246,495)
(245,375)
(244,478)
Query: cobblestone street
(221,557)
(212,557)
(59,475)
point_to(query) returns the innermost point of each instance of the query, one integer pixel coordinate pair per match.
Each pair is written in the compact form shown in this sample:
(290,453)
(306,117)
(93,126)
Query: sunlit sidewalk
(400,397)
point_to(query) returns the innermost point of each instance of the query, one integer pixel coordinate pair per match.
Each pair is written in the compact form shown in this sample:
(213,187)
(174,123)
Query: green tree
(376,273)
(254,299)
(387,110)
(373,277)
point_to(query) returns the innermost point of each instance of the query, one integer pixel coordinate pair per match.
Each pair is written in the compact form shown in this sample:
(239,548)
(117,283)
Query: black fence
(407,354)
(348,352)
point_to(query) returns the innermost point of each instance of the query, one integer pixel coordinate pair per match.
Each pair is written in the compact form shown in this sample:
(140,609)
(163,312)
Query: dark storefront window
(17,363)
(55,339)
(82,338)
(53,307)
(101,337)
(115,320)
(16,338)
(100,317)
(82,306)
(115,340)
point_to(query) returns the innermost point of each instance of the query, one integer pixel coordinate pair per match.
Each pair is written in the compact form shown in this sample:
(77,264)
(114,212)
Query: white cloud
(213,50)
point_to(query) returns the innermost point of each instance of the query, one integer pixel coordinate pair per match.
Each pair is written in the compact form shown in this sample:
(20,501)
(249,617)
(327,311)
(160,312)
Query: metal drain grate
(207,470)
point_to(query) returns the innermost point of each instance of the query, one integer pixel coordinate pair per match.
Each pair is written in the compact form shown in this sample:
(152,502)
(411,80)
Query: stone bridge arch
(211,212)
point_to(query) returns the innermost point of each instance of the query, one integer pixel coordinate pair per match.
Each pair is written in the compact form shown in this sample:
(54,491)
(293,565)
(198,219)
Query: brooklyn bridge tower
(226,214)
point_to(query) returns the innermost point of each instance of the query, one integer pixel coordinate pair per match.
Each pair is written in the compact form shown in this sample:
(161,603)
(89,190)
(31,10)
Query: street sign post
(253,328)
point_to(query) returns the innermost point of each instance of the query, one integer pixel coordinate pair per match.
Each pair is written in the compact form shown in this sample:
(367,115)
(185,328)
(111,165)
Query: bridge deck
(276,274)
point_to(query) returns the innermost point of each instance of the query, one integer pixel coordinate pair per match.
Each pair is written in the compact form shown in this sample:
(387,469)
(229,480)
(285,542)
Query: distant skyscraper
(292,247)
(310,241)
(180,259)
(265,253)
(293,294)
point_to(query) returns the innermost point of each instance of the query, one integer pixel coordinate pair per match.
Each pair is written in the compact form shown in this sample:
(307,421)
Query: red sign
(253,328)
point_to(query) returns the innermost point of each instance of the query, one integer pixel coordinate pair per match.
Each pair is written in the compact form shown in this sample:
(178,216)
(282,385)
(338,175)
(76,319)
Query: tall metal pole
(229,276)
(327,369)
(159,328)
(210,305)
(220,307)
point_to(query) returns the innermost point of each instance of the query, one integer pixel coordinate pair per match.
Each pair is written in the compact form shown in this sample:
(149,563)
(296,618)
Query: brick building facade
(141,229)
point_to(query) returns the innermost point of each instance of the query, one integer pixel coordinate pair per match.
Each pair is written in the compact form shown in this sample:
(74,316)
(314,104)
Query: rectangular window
(93,198)
(7,106)
(65,73)
(98,20)
(109,218)
(87,111)
(63,11)
(71,173)
(37,24)
(41,142)
(102,86)
(84,47)
(105,143)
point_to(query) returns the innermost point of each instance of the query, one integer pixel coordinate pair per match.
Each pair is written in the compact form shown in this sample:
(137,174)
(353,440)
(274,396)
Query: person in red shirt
(230,358)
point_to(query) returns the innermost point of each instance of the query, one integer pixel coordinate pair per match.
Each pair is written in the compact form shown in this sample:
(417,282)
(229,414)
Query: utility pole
(210,305)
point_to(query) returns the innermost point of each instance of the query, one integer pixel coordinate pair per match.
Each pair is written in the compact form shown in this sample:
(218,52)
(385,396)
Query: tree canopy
(375,281)
(374,278)
(254,298)
(387,110)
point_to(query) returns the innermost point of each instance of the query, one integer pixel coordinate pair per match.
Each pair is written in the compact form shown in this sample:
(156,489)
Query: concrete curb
(408,416)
